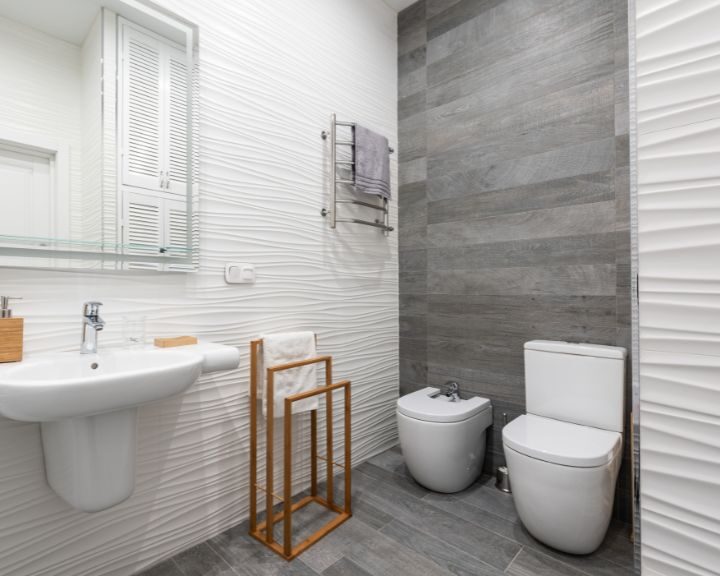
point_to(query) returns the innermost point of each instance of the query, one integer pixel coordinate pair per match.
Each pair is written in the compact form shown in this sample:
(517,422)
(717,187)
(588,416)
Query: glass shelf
(69,245)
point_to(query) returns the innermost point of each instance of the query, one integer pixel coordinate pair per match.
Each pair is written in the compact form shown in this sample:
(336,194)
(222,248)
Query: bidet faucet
(452,391)
(92,324)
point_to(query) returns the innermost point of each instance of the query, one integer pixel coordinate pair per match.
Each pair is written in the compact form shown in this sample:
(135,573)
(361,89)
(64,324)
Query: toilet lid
(422,406)
(561,442)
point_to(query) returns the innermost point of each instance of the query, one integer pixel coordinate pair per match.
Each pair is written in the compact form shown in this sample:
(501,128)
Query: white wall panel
(678,88)
(272,71)
(91,81)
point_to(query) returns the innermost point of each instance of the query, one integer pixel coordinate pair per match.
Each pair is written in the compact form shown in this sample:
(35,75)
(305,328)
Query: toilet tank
(579,383)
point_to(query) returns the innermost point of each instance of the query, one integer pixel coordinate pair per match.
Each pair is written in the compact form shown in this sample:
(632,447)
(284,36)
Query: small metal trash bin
(503,479)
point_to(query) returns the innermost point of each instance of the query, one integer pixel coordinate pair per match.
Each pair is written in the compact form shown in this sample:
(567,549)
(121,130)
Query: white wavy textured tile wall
(678,83)
(272,72)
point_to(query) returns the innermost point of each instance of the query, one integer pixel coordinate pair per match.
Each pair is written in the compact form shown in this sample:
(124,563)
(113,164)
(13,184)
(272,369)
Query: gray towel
(372,163)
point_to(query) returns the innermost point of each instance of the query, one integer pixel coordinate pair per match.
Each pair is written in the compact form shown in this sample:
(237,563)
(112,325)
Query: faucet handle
(91,308)
(452,386)
(452,390)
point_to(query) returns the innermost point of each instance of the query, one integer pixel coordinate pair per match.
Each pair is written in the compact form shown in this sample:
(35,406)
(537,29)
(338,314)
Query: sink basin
(70,385)
(87,407)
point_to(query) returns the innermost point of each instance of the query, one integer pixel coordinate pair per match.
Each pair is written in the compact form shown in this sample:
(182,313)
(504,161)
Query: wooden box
(177,341)
(11,339)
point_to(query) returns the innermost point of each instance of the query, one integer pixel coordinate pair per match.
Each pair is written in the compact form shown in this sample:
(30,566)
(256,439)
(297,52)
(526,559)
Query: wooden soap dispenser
(11,332)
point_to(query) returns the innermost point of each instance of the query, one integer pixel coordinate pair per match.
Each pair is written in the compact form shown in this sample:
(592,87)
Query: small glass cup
(133,330)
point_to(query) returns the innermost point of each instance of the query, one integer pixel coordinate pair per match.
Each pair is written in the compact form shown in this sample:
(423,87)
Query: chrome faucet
(92,324)
(452,391)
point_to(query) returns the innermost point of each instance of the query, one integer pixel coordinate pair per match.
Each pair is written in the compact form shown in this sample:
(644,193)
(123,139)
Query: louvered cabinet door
(176,122)
(143,223)
(176,233)
(155,134)
(142,109)
(176,227)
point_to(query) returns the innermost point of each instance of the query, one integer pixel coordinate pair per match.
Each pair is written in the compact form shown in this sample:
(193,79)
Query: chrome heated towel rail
(383,222)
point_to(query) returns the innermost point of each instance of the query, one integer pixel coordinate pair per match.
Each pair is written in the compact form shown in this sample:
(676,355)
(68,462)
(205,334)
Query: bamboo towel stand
(263,531)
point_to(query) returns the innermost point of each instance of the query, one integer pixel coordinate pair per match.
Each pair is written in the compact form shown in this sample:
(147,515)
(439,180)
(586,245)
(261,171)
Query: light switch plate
(239,273)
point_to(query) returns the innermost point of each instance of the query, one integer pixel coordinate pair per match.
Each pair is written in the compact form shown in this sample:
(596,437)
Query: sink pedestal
(90,460)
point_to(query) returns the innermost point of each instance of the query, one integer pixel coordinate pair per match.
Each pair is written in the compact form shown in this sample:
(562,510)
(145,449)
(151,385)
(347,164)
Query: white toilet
(443,441)
(564,455)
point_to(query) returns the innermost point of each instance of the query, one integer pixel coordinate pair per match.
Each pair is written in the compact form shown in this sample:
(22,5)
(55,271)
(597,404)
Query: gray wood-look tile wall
(514,191)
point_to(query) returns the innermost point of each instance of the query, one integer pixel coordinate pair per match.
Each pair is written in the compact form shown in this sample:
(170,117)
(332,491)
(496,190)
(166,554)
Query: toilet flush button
(239,273)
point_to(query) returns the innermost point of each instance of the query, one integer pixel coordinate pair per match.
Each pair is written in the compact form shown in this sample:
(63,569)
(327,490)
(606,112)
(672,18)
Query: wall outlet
(239,273)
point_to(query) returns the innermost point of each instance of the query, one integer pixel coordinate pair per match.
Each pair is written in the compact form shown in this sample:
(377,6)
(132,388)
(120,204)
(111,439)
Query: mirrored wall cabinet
(98,136)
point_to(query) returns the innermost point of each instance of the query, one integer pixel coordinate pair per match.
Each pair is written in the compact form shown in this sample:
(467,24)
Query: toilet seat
(563,443)
(427,405)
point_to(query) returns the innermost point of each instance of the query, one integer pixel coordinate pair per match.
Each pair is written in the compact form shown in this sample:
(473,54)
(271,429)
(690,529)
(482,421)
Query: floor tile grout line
(380,526)
(533,548)
(513,560)
(445,544)
(220,555)
(177,566)
(428,558)
(473,522)
(429,503)
(560,561)
(615,563)
(379,531)
(479,525)
(446,512)
(536,546)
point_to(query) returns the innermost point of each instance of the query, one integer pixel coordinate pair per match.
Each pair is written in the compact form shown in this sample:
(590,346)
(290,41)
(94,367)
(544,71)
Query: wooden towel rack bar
(264,531)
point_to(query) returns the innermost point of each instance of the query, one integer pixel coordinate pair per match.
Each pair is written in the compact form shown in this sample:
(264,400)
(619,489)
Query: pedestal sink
(87,406)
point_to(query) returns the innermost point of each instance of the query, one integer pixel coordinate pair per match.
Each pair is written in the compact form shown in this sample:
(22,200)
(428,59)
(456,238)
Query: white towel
(283,349)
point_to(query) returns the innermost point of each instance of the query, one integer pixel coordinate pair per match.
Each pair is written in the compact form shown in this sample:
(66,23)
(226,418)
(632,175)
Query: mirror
(98,137)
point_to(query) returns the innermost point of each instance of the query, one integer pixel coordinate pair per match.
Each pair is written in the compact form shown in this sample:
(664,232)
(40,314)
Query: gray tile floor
(400,528)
